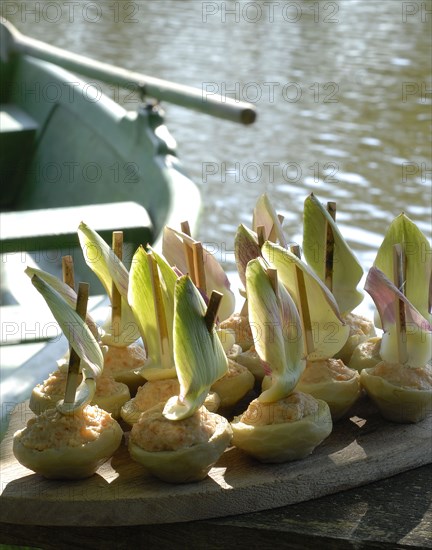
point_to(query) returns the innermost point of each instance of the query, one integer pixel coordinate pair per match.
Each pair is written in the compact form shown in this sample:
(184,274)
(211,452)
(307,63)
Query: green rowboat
(69,153)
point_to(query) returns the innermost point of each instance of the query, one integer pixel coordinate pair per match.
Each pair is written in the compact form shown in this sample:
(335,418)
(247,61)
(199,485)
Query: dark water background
(342,89)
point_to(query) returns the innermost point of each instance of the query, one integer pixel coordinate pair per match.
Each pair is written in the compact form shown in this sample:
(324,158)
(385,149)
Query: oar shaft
(163,90)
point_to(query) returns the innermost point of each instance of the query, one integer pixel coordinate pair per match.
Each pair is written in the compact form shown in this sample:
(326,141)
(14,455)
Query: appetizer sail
(330,257)
(124,355)
(183,252)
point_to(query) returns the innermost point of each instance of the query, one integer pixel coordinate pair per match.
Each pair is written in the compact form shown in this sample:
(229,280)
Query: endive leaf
(246,248)
(328,330)
(216,279)
(142,303)
(79,337)
(65,291)
(199,356)
(278,335)
(102,260)
(140,298)
(265,215)
(418,336)
(109,269)
(418,261)
(347,271)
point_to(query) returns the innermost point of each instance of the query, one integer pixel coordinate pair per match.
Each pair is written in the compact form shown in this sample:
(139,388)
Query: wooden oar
(74,360)
(163,90)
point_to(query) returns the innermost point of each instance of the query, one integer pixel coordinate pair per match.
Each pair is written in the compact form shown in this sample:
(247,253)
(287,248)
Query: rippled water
(342,91)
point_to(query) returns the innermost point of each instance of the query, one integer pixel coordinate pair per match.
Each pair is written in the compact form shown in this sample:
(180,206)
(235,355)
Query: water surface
(342,91)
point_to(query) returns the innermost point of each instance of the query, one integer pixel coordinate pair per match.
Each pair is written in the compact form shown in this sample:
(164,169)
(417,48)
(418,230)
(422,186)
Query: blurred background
(342,90)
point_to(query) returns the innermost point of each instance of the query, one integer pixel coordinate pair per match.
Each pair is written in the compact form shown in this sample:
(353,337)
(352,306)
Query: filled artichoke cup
(68,446)
(407,403)
(288,435)
(281,424)
(179,441)
(401,383)
(188,451)
(332,381)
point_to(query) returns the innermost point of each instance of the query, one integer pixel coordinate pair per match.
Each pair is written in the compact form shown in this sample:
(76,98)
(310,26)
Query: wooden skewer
(295,249)
(160,312)
(68,271)
(188,250)
(198,262)
(272,235)
(430,295)
(272,274)
(399,281)
(212,309)
(261,235)
(117,246)
(329,248)
(304,311)
(69,278)
(74,360)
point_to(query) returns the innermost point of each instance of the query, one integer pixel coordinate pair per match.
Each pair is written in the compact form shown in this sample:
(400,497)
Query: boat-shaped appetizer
(109,394)
(180,440)
(73,439)
(189,256)
(401,384)
(325,333)
(281,424)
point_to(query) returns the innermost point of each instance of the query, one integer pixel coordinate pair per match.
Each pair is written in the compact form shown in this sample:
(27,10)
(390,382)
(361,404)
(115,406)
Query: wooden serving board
(360,450)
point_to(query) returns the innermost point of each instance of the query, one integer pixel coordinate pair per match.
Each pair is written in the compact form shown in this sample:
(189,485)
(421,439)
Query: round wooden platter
(361,449)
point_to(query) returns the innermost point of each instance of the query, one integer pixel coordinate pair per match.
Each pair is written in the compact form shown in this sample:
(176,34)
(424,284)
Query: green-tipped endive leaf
(199,355)
(418,261)
(246,248)
(142,300)
(329,332)
(347,271)
(173,249)
(265,215)
(109,269)
(416,340)
(81,340)
(65,292)
(277,335)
